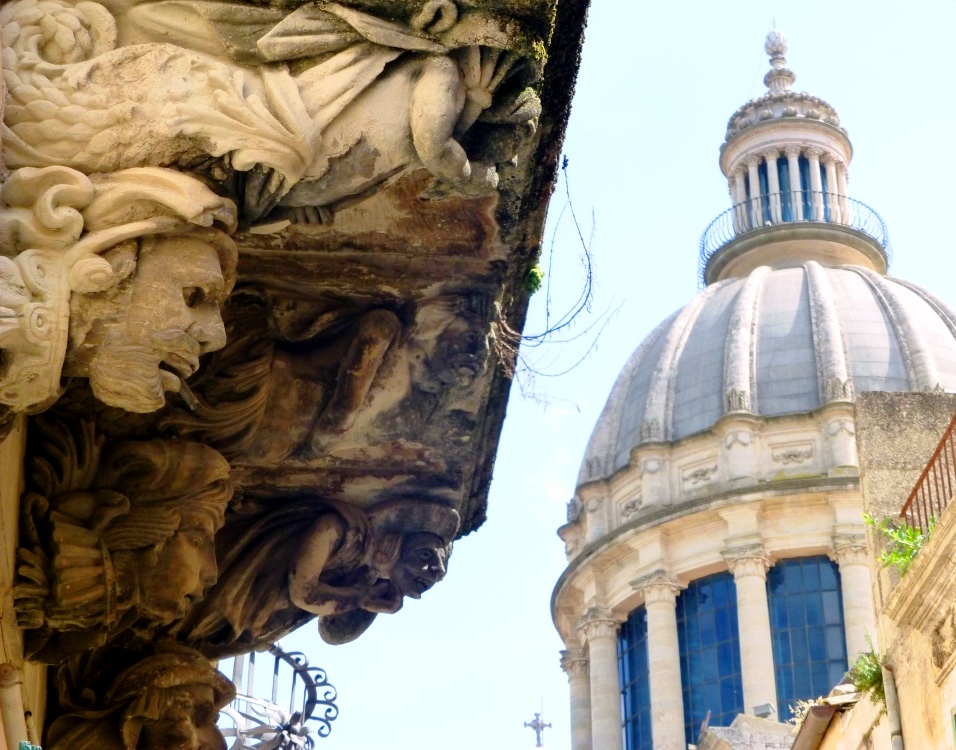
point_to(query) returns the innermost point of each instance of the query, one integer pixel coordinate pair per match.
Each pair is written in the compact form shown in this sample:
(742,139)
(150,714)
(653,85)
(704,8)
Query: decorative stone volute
(850,549)
(574,662)
(598,623)
(747,560)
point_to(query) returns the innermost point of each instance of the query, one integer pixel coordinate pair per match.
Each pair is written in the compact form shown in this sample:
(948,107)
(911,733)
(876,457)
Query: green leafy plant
(902,541)
(866,674)
(535,277)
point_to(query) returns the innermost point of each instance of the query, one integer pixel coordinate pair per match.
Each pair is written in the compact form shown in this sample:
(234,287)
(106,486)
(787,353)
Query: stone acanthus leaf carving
(839,390)
(658,586)
(117,700)
(598,623)
(115,538)
(85,253)
(738,437)
(280,568)
(737,400)
(792,455)
(700,475)
(850,549)
(575,662)
(747,560)
(323,104)
(304,382)
(837,426)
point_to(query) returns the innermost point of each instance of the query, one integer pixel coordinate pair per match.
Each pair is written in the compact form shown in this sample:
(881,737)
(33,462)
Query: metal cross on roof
(538,726)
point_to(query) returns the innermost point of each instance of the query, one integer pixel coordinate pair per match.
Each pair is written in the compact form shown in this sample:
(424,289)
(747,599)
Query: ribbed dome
(778,341)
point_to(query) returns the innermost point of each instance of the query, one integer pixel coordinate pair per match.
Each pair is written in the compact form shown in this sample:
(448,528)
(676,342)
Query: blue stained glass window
(709,653)
(806,621)
(635,681)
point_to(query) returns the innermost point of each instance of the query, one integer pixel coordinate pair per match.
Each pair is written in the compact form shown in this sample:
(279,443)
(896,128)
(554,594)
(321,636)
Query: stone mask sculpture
(117,279)
(317,107)
(116,539)
(280,568)
(169,700)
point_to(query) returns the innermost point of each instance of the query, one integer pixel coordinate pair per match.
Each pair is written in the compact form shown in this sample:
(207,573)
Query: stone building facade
(264,270)
(717,554)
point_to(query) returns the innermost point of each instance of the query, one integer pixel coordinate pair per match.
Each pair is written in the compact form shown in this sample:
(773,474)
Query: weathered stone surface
(379,173)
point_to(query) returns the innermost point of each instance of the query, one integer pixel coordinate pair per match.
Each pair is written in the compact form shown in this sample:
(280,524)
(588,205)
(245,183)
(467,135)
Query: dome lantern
(786,161)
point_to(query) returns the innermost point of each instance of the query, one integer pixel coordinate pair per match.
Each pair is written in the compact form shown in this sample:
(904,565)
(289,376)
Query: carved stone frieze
(116,278)
(315,107)
(796,454)
(116,540)
(282,567)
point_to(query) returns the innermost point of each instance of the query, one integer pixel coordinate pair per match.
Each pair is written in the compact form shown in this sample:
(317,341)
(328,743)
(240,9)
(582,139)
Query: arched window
(635,681)
(806,622)
(709,653)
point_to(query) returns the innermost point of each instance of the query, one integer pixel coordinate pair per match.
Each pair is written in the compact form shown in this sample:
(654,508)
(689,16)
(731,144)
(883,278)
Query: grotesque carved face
(150,336)
(188,722)
(421,564)
(185,568)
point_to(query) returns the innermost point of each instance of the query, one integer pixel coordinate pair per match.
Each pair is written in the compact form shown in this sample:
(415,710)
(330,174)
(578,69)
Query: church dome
(778,341)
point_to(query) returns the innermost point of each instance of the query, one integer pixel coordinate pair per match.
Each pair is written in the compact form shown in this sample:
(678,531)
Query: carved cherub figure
(116,539)
(116,278)
(169,700)
(281,568)
(317,108)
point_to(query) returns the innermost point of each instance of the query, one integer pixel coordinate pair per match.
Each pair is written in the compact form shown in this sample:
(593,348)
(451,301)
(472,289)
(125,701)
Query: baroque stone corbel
(111,279)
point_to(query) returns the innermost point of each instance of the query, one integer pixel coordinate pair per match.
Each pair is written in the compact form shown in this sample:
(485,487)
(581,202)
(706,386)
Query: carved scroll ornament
(317,108)
(116,539)
(281,568)
(117,279)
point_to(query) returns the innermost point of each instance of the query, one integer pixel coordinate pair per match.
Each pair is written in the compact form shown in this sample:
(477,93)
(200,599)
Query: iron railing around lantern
(255,723)
(796,207)
(935,487)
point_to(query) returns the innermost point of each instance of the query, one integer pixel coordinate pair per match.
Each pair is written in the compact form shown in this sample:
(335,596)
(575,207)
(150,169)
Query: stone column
(796,193)
(574,662)
(833,190)
(842,189)
(600,631)
(749,565)
(859,620)
(660,591)
(740,201)
(773,185)
(756,208)
(816,184)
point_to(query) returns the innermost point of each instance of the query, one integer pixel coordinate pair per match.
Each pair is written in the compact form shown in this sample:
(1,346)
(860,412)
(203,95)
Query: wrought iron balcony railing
(791,207)
(935,487)
(254,723)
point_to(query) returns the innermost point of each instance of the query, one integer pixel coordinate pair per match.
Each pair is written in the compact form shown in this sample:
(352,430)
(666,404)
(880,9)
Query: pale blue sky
(464,667)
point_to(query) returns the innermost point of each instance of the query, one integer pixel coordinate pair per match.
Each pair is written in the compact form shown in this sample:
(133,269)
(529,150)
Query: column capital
(793,152)
(813,152)
(575,662)
(849,549)
(598,623)
(659,586)
(827,158)
(770,154)
(747,560)
(753,161)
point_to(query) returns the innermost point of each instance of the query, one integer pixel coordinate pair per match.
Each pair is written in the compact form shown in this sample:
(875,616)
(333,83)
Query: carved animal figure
(324,105)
